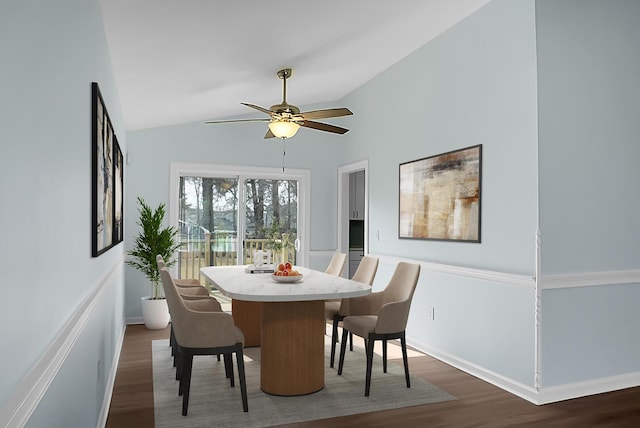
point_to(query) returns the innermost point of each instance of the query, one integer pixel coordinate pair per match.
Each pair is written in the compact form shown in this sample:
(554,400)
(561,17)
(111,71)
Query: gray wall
(152,151)
(51,52)
(563,70)
(589,104)
(474,84)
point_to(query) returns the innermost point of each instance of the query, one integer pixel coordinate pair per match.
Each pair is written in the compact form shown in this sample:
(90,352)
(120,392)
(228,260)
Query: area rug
(212,402)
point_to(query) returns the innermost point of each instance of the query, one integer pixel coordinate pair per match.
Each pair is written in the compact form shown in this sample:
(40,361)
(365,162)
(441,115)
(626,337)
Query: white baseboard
(134,320)
(521,390)
(106,403)
(544,395)
(589,387)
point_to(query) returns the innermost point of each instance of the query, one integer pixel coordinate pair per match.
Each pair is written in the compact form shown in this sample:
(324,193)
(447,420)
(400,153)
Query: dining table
(292,327)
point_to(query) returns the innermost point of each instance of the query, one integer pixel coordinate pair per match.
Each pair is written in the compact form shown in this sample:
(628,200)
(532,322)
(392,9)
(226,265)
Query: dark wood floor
(478,403)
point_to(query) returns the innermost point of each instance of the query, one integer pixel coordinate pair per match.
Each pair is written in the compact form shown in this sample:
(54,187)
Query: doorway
(353,212)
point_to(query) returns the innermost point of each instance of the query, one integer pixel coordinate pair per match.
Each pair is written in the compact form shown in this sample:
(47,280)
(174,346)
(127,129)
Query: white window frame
(242,172)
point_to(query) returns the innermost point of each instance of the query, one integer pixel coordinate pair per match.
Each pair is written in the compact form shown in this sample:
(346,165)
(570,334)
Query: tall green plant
(152,240)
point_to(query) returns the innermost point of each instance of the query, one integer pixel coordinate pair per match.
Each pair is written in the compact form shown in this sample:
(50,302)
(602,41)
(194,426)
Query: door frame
(303,176)
(343,205)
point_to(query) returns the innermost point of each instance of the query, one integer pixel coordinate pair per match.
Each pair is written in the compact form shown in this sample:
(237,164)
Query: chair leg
(384,355)
(334,339)
(243,383)
(178,363)
(370,343)
(228,368)
(172,343)
(185,381)
(403,342)
(350,341)
(343,348)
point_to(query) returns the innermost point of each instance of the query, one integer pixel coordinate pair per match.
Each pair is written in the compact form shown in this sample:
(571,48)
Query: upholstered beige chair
(336,310)
(200,332)
(382,316)
(186,287)
(190,289)
(336,265)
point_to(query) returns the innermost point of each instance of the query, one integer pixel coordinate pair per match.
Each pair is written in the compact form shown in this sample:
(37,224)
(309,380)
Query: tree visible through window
(209,213)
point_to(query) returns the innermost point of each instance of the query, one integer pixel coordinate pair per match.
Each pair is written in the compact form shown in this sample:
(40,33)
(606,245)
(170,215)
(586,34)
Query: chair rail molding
(33,387)
(488,275)
(590,279)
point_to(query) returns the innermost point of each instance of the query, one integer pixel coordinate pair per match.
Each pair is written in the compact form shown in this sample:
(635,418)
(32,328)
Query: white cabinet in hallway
(356,195)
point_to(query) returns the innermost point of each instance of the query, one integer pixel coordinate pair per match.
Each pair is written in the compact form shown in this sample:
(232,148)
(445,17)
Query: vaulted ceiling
(192,60)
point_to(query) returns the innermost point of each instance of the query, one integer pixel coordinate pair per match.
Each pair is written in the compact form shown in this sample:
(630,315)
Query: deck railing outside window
(219,251)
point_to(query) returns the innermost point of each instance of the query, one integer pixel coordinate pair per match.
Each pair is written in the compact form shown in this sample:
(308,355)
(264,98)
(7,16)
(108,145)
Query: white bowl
(287,278)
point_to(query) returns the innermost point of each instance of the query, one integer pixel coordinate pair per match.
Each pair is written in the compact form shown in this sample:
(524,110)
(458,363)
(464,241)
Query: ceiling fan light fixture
(283,128)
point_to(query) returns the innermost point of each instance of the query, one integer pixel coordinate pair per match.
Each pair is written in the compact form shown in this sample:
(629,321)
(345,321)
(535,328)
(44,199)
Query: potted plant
(153,239)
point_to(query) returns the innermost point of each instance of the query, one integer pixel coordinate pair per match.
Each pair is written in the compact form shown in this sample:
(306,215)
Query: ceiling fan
(285,119)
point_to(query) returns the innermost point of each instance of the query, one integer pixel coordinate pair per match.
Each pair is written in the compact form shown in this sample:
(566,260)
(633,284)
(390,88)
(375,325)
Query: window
(214,205)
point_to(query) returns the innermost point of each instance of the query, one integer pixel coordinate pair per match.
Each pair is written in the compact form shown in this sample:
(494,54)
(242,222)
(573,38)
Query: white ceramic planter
(155,313)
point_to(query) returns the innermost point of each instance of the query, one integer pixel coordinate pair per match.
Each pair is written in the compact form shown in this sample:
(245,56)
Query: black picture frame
(118,208)
(107,178)
(440,197)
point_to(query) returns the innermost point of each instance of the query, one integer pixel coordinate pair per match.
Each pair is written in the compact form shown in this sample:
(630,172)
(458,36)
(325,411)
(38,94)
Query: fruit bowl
(295,278)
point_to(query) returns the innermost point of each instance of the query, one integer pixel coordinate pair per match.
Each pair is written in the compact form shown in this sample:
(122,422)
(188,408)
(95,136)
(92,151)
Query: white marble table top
(234,282)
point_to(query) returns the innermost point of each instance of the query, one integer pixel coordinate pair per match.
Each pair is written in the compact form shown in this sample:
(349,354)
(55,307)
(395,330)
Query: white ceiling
(179,61)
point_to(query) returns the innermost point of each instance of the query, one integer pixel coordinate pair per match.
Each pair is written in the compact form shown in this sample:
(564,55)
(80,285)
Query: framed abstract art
(107,178)
(440,196)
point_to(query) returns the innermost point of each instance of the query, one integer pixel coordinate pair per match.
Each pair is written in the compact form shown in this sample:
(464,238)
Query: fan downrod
(285,107)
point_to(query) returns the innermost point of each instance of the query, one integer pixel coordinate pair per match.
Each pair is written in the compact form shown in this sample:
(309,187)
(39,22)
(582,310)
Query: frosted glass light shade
(283,129)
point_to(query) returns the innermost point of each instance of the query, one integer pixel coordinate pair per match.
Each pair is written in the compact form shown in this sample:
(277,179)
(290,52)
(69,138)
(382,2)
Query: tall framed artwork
(440,196)
(107,178)
(118,201)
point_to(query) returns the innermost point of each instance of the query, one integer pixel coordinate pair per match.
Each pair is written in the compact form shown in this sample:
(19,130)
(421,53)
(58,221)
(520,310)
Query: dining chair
(186,286)
(197,298)
(189,289)
(203,333)
(336,265)
(336,310)
(382,316)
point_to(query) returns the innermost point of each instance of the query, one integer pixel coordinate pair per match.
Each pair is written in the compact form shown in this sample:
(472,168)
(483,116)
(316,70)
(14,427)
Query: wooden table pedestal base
(292,353)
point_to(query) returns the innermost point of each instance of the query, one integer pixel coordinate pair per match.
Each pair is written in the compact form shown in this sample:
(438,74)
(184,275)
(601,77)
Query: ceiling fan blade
(326,113)
(269,134)
(262,109)
(323,127)
(237,120)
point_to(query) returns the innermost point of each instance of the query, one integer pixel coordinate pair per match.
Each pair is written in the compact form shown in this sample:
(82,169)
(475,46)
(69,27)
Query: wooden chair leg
(370,343)
(228,368)
(403,342)
(243,383)
(384,355)
(185,381)
(172,344)
(178,359)
(343,348)
(334,339)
